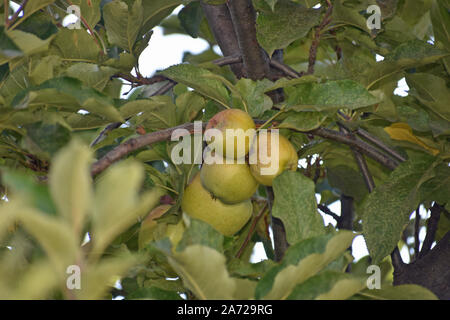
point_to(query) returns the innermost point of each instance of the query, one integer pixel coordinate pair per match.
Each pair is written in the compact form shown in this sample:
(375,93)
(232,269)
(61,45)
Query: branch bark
(219,19)
(279,233)
(256,61)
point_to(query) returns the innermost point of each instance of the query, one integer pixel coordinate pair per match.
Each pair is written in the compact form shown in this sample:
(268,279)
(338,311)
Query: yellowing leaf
(70,183)
(292,275)
(402,131)
(54,235)
(203,271)
(118,205)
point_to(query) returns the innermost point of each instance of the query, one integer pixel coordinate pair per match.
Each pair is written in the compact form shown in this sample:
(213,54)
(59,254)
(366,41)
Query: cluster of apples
(220,193)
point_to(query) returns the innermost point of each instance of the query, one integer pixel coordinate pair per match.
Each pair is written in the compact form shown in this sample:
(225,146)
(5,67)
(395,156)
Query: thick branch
(432,225)
(431,271)
(135,144)
(256,62)
(219,20)
(279,233)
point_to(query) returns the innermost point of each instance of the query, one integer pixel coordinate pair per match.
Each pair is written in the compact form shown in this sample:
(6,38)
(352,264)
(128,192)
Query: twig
(359,145)
(139,80)
(135,144)
(416,233)
(432,224)
(364,134)
(243,16)
(251,231)
(327,211)
(12,21)
(316,40)
(362,164)
(228,60)
(279,232)
(287,70)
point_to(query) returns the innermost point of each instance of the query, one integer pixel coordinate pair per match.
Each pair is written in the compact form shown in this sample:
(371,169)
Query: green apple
(231,183)
(200,204)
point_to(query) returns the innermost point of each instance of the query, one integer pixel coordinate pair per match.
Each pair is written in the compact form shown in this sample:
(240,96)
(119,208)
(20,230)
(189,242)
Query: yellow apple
(231,183)
(280,153)
(236,131)
(228,219)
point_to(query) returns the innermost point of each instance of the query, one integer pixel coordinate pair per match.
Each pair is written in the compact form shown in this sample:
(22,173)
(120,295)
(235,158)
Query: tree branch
(243,16)
(219,20)
(432,225)
(316,40)
(279,233)
(416,233)
(134,144)
(327,211)
(359,145)
(362,164)
(12,21)
(251,231)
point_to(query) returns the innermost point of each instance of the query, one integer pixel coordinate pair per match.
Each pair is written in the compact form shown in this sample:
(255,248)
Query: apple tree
(93,205)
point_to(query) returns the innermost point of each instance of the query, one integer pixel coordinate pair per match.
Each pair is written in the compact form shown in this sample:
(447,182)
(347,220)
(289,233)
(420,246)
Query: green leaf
(155,11)
(190,18)
(197,78)
(28,43)
(328,285)
(201,233)
(158,112)
(272,4)
(303,121)
(388,215)
(410,54)
(289,22)
(204,272)
(117,204)
(46,138)
(302,261)
(68,93)
(252,92)
(295,204)
(90,11)
(432,91)
(330,95)
(189,104)
(123,23)
(32,7)
(75,45)
(31,193)
(91,75)
(8,49)
(348,180)
(441,22)
(71,184)
(401,292)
